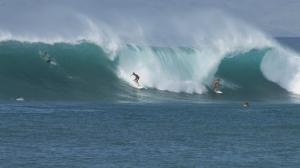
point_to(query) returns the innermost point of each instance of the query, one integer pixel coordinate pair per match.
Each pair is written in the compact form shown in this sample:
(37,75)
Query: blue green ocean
(84,110)
(169,134)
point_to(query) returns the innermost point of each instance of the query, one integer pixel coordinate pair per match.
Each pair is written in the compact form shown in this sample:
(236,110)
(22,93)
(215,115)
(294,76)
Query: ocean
(83,110)
(87,72)
(170,134)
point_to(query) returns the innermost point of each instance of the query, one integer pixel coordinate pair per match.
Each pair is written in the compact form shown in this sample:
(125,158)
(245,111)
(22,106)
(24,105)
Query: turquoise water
(41,134)
(87,72)
(83,112)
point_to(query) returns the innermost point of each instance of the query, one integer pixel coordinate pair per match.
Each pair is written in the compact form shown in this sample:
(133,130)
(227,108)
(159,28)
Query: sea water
(82,112)
(170,134)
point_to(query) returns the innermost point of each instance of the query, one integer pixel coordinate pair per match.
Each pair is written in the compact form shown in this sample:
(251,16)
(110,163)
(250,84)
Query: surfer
(137,78)
(47,57)
(245,104)
(216,84)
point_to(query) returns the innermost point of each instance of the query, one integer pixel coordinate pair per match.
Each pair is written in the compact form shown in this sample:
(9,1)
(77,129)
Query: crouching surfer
(48,58)
(136,78)
(216,85)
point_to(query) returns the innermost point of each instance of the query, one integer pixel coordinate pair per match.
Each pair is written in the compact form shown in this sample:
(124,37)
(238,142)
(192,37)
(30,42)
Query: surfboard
(138,86)
(20,99)
(213,91)
(218,92)
(53,63)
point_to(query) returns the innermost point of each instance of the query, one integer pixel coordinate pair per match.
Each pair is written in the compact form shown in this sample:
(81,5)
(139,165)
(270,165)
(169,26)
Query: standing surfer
(136,79)
(47,57)
(216,85)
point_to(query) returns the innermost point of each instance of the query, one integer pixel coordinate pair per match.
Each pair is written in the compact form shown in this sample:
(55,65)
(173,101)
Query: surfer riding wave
(216,85)
(136,79)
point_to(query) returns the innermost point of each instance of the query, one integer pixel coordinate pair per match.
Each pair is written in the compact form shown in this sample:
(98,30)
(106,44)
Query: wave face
(86,71)
(177,60)
(82,71)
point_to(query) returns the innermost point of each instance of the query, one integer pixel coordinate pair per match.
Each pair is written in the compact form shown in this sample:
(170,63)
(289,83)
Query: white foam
(282,66)
(178,70)
(93,32)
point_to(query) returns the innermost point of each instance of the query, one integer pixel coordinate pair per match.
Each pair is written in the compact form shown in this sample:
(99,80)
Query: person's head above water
(245,104)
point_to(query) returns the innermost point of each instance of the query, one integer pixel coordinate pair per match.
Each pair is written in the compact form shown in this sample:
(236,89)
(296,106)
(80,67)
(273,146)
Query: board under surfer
(136,78)
(216,85)
(47,57)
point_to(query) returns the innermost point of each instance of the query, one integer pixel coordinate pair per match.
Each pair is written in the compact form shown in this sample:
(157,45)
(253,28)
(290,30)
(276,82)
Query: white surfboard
(138,86)
(53,63)
(20,99)
(218,92)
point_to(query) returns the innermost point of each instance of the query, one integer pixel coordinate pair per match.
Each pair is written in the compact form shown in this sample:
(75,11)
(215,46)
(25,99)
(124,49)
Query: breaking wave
(98,63)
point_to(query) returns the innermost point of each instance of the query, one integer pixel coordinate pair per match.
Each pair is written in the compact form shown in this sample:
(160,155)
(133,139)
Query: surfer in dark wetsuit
(246,104)
(137,77)
(46,56)
(216,84)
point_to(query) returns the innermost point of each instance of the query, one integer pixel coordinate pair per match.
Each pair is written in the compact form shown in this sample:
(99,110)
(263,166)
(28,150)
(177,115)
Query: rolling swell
(84,71)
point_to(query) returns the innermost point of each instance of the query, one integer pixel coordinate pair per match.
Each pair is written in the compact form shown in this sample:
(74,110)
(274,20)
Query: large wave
(97,64)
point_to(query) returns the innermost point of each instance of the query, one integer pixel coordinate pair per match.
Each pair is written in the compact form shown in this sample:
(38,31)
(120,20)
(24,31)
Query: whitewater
(97,63)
